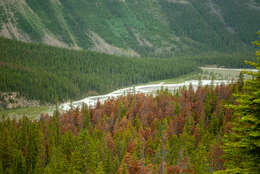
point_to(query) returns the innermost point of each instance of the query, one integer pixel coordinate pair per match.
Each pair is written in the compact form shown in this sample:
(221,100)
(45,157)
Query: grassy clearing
(180,79)
(205,73)
(31,112)
(220,73)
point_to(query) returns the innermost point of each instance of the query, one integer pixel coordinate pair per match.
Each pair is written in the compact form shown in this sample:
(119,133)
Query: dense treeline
(202,131)
(214,23)
(49,74)
(231,60)
(170,133)
(54,74)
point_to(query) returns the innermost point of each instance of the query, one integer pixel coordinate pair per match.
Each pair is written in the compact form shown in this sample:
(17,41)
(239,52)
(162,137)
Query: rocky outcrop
(12,100)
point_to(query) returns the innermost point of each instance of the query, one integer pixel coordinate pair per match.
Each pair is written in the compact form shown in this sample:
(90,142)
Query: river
(146,89)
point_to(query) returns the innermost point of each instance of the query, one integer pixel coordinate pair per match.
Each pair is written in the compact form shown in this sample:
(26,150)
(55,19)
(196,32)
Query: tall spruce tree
(242,143)
(1,168)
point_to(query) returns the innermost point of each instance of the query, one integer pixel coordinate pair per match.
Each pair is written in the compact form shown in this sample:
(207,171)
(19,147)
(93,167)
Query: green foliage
(170,137)
(19,164)
(1,169)
(151,28)
(57,163)
(51,74)
(100,169)
(242,145)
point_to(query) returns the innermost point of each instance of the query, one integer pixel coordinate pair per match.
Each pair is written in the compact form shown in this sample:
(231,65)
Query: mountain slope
(133,27)
(49,74)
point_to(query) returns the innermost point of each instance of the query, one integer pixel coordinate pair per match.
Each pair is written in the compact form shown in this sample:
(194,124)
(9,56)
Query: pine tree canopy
(242,143)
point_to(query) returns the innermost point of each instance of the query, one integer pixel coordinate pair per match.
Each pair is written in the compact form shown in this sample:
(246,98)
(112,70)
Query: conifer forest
(189,131)
(129,87)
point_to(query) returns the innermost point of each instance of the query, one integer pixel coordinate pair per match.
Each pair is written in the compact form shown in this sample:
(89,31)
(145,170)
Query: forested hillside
(53,51)
(203,131)
(133,27)
(137,134)
(52,74)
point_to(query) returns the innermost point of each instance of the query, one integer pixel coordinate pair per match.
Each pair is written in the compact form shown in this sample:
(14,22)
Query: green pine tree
(58,162)
(124,170)
(19,163)
(242,145)
(1,168)
(100,169)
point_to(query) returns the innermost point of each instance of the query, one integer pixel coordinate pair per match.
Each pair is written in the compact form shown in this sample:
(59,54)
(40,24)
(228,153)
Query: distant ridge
(132,27)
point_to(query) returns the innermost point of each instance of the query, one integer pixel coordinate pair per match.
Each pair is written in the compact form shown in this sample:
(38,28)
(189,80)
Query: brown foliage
(125,113)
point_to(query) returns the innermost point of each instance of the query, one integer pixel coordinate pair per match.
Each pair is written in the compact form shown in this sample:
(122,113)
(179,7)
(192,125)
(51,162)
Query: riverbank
(146,89)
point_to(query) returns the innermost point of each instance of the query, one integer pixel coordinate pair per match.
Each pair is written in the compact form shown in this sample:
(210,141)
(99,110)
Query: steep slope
(49,74)
(133,27)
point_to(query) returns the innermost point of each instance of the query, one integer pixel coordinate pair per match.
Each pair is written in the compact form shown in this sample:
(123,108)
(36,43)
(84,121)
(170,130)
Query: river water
(146,89)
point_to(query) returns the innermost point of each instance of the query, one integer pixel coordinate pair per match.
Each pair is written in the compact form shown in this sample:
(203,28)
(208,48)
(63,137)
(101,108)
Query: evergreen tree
(100,169)
(19,163)
(242,145)
(169,133)
(80,155)
(58,163)
(124,170)
(1,168)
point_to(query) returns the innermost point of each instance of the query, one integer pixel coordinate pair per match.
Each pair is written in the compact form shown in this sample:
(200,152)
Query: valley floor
(145,89)
(207,76)
(31,112)
(220,75)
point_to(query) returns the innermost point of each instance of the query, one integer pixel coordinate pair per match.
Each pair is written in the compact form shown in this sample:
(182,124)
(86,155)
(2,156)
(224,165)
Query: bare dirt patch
(218,13)
(9,29)
(12,100)
(4,32)
(100,45)
(51,40)
(253,5)
(143,41)
(179,1)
